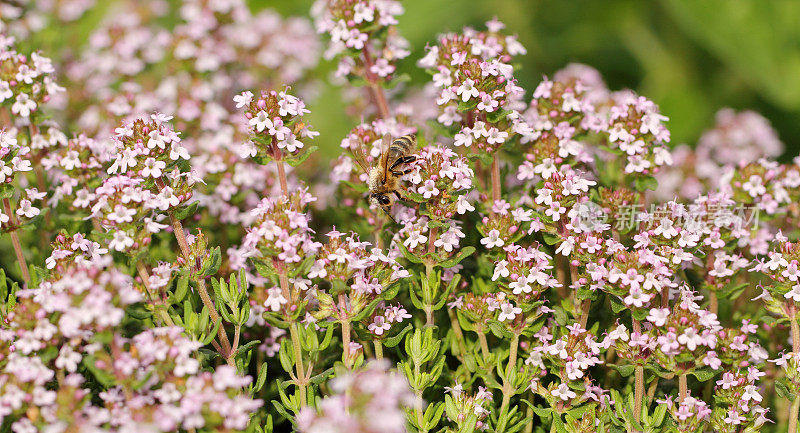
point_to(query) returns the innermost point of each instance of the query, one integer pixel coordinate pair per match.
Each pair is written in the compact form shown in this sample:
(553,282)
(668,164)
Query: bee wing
(361,162)
(384,163)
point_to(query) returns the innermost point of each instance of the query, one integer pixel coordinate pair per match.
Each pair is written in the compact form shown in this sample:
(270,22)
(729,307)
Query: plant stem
(529,415)
(638,381)
(298,363)
(429,264)
(507,390)
(345,321)
(284,282)
(419,401)
(162,313)
(683,387)
(651,391)
(795,334)
(23,265)
(585,307)
(794,411)
(237,332)
(378,350)
(180,236)
(282,177)
(459,334)
(483,342)
(377,91)
(495,178)
(713,302)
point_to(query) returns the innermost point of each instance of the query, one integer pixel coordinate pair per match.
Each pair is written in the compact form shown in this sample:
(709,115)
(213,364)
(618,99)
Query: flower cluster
(441,180)
(473,74)
(276,122)
(26,83)
(521,261)
(370,400)
(363,33)
(685,338)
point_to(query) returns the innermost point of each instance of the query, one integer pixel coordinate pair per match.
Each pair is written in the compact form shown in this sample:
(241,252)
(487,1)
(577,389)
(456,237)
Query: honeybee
(384,178)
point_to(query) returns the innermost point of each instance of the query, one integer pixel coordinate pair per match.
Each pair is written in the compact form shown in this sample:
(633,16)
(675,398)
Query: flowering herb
(550,265)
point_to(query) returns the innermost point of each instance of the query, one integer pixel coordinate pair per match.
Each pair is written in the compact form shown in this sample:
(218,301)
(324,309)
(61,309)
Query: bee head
(384,201)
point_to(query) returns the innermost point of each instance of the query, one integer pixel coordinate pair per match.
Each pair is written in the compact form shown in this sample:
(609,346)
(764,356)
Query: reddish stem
(23,265)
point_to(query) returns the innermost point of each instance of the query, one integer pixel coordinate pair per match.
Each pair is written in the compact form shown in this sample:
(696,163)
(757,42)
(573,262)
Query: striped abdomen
(401,146)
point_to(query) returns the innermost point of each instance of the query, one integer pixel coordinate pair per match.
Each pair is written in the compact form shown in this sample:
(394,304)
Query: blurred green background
(692,57)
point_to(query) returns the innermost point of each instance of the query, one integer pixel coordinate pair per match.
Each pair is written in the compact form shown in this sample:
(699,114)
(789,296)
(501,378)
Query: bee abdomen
(402,146)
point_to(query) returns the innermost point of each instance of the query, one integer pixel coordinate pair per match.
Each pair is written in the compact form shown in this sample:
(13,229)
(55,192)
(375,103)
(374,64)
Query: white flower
(5,171)
(546,168)
(363,13)
(619,333)
(152,168)
(493,239)
(794,294)
(121,241)
(563,392)
(658,316)
(27,209)
(496,136)
(463,206)
(520,286)
(23,105)
(243,99)
(500,270)
(275,299)
(261,121)
(5,91)
(637,298)
(429,189)
(177,151)
(508,311)
(414,239)
(467,90)
(379,325)
(690,338)
(751,393)
(291,143)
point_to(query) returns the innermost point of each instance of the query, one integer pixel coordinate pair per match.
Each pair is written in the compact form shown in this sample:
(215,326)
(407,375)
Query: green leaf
(643,183)
(214,262)
(551,238)
(180,290)
(782,389)
(408,254)
(394,82)
(395,339)
(497,116)
(625,370)
(263,269)
(464,253)
(359,187)
(296,160)
(185,211)
(617,305)
(105,378)
(262,378)
(244,348)
(704,374)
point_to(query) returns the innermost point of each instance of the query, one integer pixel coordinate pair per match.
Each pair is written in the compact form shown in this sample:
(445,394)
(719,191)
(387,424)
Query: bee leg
(403,160)
(400,173)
